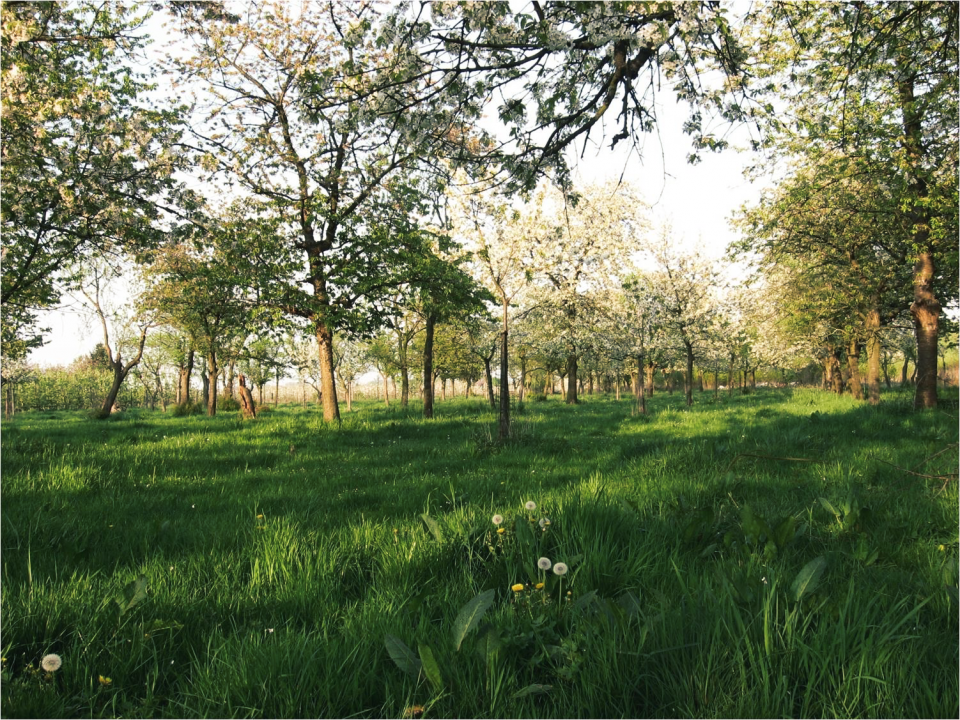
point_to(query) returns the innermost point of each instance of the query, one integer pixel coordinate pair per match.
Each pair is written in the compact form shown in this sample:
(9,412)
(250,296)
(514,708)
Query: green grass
(278,554)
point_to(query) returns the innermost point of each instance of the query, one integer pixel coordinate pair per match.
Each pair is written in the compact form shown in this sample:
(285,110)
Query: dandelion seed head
(497,519)
(560,569)
(51,662)
(530,505)
(544,563)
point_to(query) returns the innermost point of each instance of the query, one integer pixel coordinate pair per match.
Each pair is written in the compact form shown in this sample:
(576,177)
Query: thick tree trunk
(572,398)
(836,377)
(926,319)
(431,322)
(183,381)
(110,400)
(8,398)
(853,367)
(649,370)
(328,384)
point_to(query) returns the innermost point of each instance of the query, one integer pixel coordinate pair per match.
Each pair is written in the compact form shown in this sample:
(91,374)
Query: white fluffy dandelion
(544,521)
(497,519)
(530,505)
(560,569)
(544,563)
(51,662)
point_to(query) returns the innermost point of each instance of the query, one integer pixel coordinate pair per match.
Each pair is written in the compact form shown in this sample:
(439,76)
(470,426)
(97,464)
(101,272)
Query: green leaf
(785,531)
(489,645)
(525,533)
(535,689)
(432,527)
(828,506)
(402,655)
(470,615)
(430,667)
(133,594)
(808,578)
(754,527)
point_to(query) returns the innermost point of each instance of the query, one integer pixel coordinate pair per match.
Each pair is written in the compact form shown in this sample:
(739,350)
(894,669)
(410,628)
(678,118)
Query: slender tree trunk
(228,385)
(873,356)
(523,377)
(641,388)
(205,379)
(489,376)
(386,389)
(504,421)
(213,372)
(688,380)
(183,388)
(836,375)
(431,322)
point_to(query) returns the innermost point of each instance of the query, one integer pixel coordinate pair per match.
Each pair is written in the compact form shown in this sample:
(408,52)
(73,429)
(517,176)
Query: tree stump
(246,399)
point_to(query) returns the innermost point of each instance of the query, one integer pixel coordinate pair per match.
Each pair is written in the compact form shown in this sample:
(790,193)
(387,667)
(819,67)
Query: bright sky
(697,200)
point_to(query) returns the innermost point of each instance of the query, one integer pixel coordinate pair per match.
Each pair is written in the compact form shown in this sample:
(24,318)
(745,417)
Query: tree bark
(213,372)
(873,356)
(328,384)
(183,380)
(688,380)
(926,320)
(572,379)
(489,376)
(504,420)
(853,366)
(431,321)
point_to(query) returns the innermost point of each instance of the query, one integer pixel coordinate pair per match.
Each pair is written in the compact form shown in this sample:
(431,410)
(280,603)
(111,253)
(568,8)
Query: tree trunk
(688,380)
(431,322)
(110,400)
(572,379)
(853,366)
(926,319)
(183,386)
(213,372)
(503,431)
(641,388)
(523,377)
(489,375)
(926,307)
(246,399)
(328,383)
(8,397)
(649,370)
(228,385)
(386,389)
(873,356)
(835,375)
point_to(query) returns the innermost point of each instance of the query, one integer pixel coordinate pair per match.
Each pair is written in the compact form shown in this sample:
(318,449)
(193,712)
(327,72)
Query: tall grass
(279,554)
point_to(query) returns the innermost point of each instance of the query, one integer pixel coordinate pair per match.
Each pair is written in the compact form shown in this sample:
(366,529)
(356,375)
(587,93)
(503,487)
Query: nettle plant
(542,623)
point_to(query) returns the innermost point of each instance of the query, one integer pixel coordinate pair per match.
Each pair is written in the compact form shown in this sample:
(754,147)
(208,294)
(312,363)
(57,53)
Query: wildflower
(560,569)
(530,505)
(517,588)
(105,681)
(501,530)
(260,517)
(539,586)
(544,563)
(414,711)
(51,662)
(544,521)
(497,519)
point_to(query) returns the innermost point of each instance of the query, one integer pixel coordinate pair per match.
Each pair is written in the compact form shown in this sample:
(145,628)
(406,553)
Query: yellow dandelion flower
(501,531)
(105,681)
(539,586)
(260,517)
(517,588)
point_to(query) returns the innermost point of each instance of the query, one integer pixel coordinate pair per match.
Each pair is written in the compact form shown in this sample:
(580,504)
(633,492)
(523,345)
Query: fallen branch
(770,457)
